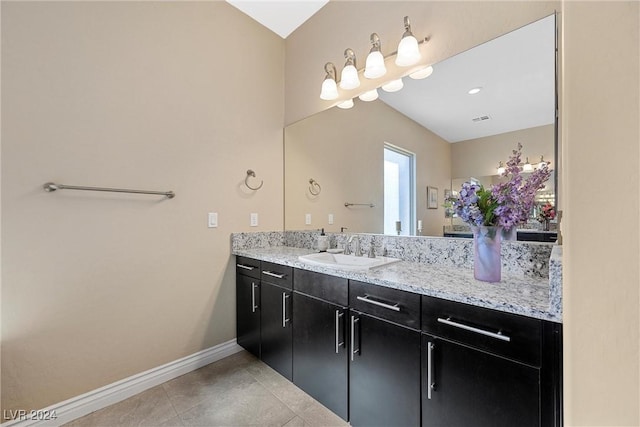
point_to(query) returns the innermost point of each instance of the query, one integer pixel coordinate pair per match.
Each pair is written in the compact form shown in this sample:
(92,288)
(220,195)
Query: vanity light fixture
(374,67)
(370,95)
(408,50)
(527,167)
(329,90)
(393,86)
(422,74)
(474,90)
(349,77)
(501,168)
(543,163)
(345,105)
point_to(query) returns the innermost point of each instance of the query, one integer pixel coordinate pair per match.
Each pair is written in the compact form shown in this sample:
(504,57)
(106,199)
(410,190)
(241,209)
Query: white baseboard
(87,403)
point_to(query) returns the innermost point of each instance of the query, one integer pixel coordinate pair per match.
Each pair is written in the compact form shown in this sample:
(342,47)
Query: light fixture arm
(331,71)
(350,57)
(407,27)
(375,43)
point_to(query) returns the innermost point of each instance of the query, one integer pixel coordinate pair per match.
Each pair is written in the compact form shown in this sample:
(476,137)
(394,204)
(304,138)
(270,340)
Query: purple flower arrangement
(506,204)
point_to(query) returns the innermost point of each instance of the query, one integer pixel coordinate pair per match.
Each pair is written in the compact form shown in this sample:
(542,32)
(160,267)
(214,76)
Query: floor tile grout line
(171,403)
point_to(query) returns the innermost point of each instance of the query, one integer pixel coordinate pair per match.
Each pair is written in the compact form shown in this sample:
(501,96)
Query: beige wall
(98,287)
(601,276)
(343,151)
(480,156)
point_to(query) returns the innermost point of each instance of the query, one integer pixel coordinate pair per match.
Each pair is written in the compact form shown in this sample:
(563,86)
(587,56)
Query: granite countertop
(528,296)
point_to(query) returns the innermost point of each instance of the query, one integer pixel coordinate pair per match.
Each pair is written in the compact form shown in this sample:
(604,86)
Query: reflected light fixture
(374,67)
(408,50)
(501,168)
(329,88)
(422,74)
(370,95)
(393,86)
(345,105)
(349,77)
(527,167)
(543,163)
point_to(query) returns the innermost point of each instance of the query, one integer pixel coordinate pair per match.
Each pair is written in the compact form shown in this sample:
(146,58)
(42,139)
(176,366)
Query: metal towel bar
(371,205)
(50,186)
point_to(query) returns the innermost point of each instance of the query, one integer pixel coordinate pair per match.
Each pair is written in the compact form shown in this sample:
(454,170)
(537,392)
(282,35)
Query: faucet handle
(372,251)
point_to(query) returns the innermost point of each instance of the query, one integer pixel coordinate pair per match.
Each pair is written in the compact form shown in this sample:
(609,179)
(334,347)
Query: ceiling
(516,72)
(281,17)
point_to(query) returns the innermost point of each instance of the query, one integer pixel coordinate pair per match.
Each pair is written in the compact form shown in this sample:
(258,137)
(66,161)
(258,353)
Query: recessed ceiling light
(474,90)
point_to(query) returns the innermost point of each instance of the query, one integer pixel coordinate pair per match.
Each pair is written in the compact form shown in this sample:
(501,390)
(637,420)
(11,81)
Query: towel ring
(246,180)
(314,188)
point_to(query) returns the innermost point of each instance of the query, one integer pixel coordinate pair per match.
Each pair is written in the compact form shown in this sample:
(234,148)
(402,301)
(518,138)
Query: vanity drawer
(248,267)
(509,335)
(277,274)
(329,288)
(386,303)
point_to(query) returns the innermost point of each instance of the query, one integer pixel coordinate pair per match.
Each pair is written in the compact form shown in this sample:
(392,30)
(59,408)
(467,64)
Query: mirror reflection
(387,166)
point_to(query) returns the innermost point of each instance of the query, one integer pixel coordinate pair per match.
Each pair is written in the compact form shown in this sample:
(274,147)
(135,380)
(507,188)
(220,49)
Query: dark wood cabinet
(378,356)
(320,364)
(276,332)
(482,367)
(248,304)
(384,377)
(463,386)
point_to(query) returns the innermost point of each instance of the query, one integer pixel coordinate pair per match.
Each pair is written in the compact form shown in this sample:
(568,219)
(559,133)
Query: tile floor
(239,390)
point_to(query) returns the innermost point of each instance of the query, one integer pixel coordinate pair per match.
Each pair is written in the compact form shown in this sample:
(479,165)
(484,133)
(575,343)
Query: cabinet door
(384,373)
(319,352)
(467,387)
(248,313)
(276,344)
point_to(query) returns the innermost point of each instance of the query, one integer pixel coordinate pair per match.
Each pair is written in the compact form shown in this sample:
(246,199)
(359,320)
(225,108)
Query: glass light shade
(527,167)
(393,86)
(374,67)
(422,74)
(346,104)
(408,52)
(370,95)
(329,90)
(349,78)
(501,170)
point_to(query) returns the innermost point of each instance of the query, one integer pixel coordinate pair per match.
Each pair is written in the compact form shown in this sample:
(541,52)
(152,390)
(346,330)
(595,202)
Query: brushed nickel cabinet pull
(338,342)
(272,274)
(497,335)
(368,299)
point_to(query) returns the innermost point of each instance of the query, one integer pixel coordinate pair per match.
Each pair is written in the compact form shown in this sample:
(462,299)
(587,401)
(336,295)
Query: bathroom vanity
(404,344)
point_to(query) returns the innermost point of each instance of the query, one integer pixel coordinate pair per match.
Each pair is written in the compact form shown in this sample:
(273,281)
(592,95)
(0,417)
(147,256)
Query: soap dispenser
(323,241)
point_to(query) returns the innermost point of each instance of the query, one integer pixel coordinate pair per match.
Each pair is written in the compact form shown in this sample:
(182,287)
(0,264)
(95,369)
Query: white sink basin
(346,262)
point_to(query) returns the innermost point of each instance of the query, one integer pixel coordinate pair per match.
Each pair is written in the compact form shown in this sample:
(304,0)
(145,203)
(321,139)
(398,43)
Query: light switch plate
(330,218)
(254,220)
(307,219)
(212,220)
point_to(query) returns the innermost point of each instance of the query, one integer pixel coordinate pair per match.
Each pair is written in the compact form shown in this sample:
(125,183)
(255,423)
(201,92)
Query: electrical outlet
(212,220)
(307,219)
(330,219)
(254,220)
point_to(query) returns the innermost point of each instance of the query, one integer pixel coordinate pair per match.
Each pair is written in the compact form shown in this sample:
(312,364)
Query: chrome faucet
(357,251)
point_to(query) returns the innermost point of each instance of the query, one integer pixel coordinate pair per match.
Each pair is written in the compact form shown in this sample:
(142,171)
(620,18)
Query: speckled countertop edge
(515,294)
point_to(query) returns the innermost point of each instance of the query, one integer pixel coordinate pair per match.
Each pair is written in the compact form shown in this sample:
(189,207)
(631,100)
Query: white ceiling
(516,72)
(281,17)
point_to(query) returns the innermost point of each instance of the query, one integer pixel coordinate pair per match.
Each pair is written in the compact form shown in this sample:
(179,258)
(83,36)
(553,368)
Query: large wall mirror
(392,159)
